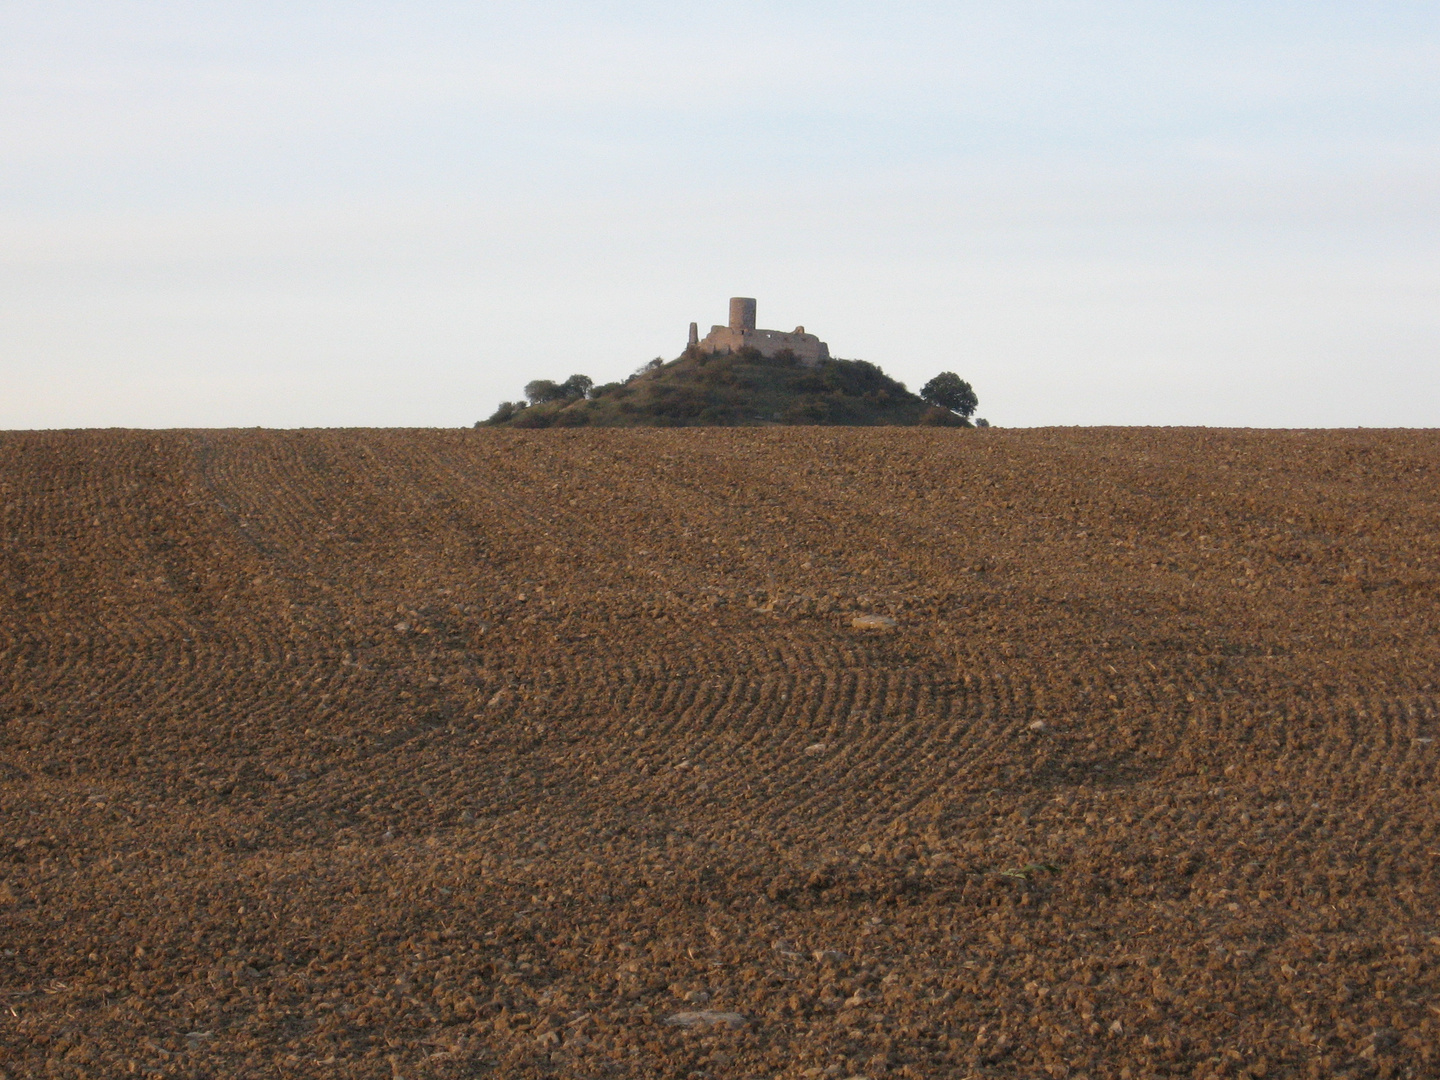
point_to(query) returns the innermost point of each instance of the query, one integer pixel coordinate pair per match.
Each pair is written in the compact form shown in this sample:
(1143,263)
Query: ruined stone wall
(809,348)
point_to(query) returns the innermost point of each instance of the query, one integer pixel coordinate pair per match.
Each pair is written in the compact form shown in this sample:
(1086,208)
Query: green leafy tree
(948,391)
(577,387)
(574,388)
(540,391)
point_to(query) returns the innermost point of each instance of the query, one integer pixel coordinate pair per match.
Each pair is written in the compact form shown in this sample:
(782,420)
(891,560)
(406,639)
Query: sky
(300,214)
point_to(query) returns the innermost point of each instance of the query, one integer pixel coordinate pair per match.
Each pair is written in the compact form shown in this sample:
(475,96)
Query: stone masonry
(741,334)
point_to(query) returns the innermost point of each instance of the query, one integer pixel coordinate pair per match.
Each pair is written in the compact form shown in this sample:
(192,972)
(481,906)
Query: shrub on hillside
(938,417)
(507,411)
(533,418)
(812,410)
(743,387)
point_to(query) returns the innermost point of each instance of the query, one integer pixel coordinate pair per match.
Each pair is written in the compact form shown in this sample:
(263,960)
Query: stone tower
(742,313)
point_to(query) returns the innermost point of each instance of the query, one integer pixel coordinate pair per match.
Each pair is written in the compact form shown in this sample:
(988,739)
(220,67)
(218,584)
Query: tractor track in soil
(379,753)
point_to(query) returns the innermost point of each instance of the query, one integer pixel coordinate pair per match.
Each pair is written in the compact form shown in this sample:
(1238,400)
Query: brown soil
(453,754)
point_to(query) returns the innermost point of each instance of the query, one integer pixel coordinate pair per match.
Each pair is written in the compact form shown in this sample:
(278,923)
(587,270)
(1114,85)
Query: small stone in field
(816,749)
(705,1018)
(1037,725)
(828,956)
(697,997)
(872,622)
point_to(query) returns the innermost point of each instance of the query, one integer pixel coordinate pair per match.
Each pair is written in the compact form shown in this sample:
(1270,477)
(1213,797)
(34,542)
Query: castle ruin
(741,334)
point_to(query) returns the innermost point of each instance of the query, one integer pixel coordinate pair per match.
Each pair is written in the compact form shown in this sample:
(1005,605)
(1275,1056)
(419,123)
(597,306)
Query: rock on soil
(1146,787)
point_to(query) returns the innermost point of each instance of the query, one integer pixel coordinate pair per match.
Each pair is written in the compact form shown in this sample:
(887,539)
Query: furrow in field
(493,732)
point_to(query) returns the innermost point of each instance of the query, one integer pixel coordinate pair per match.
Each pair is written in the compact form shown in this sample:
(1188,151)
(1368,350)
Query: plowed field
(494,753)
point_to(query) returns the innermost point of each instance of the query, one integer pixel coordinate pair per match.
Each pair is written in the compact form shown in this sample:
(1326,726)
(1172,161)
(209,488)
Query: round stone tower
(742,313)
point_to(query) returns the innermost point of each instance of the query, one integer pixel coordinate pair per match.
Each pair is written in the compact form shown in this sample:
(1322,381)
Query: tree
(577,387)
(948,391)
(542,390)
(572,389)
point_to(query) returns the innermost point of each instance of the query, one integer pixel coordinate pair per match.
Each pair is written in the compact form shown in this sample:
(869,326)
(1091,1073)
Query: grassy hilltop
(736,389)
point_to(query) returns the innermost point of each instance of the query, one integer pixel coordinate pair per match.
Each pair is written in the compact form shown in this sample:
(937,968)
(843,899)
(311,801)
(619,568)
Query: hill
(596,754)
(735,389)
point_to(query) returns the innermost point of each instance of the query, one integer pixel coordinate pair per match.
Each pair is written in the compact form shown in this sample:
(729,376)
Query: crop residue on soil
(719,753)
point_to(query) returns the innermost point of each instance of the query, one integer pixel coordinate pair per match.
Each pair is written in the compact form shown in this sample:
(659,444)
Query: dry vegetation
(741,389)
(454,754)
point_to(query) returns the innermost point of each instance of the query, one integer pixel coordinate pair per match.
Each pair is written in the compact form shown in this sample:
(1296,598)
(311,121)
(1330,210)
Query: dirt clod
(872,622)
(706,1019)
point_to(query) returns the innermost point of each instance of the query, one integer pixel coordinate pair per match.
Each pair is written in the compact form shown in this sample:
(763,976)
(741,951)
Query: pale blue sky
(223,213)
